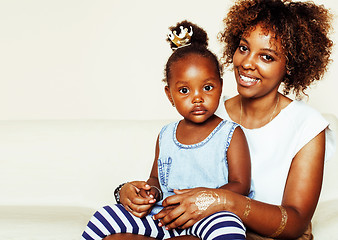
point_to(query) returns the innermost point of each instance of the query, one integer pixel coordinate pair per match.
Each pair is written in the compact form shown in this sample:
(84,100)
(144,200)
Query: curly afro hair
(302,27)
(198,45)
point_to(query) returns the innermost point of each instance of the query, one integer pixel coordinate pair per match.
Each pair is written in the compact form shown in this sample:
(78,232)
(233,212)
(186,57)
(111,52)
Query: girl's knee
(104,222)
(222,225)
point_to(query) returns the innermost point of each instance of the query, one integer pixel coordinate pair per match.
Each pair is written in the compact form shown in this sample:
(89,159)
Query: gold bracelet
(282,222)
(247,208)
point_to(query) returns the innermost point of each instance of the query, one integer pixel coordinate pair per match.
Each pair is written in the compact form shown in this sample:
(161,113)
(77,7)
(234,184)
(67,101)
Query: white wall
(104,59)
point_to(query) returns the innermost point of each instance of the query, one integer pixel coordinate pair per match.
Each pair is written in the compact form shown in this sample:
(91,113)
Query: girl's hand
(153,194)
(136,199)
(188,206)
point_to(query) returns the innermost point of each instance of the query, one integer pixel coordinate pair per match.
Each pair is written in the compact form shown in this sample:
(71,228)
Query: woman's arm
(300,198)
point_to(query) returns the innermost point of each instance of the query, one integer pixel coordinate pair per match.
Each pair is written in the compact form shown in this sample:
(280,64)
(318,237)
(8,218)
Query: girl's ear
(167,92)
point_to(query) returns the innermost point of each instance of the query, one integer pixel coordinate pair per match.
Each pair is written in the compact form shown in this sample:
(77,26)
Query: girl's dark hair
(198,45)
(302,27)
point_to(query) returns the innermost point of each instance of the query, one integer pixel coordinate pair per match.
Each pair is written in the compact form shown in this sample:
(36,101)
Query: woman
(272,43)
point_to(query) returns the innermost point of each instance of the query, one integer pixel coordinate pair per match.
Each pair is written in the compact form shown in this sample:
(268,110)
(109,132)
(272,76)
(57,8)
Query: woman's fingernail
(160,224)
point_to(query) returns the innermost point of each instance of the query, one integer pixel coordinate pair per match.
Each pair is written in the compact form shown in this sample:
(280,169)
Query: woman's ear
(167,92)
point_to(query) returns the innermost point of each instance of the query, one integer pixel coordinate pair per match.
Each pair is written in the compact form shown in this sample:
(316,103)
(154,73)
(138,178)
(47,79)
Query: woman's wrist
(247,208)
(229,201)
(220,196)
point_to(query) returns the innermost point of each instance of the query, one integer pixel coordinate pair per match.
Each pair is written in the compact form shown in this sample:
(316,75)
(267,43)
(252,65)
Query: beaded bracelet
(117,193)
(282,225)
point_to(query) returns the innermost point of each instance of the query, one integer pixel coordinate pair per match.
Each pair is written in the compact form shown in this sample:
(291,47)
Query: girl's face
(259,64)
(194,88)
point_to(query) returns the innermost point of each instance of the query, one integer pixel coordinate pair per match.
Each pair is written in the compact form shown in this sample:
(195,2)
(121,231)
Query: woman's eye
(184,90)
(268,58)
(242,48)
(208,88)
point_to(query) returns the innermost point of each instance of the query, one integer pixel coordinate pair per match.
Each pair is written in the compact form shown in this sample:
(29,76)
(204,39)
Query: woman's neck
(255,113)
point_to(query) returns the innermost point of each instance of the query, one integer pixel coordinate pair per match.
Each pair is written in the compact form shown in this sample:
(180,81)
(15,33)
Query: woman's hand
(188,206)
(137,198)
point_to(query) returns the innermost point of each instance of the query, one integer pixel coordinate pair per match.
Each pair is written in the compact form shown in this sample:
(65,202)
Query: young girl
(271,43)
(200,151)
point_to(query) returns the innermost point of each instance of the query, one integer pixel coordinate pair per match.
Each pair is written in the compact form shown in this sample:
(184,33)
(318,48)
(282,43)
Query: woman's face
(259,64)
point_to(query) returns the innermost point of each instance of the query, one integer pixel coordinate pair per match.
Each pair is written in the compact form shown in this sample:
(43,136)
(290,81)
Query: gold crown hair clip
(183,39)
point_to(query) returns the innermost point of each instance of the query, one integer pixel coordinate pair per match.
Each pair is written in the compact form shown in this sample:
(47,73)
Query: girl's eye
(208,88)
(184,90)
(268,58)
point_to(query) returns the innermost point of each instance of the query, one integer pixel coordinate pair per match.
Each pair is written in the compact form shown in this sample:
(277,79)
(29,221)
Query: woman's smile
(247,80)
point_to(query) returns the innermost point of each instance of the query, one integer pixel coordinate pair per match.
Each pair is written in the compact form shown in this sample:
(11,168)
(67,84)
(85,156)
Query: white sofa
(54,174)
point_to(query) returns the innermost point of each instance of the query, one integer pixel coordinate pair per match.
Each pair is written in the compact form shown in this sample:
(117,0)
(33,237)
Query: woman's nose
(249,62)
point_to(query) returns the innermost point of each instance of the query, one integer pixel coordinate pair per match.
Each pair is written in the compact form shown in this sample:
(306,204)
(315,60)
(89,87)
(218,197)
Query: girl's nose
(197,97)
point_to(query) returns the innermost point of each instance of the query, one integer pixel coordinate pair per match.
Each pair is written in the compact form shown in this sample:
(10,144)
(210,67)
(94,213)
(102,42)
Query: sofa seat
(42,222)
(54,174)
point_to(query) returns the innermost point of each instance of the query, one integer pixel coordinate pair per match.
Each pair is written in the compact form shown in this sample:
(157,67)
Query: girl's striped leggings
(116,219)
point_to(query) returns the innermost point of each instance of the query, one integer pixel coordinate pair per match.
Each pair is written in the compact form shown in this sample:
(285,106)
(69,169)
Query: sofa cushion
(43,223)
(325,220)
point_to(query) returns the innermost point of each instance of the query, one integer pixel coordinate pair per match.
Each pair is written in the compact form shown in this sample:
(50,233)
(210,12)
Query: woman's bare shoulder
(232,106)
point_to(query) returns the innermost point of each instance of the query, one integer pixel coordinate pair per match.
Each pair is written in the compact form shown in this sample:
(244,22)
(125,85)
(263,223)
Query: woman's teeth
(247,79)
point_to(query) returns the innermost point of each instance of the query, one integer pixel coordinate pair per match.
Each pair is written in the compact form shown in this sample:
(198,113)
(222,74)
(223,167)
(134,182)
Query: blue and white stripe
(116,219)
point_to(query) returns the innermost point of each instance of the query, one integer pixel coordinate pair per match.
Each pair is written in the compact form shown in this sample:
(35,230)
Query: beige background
(104,59)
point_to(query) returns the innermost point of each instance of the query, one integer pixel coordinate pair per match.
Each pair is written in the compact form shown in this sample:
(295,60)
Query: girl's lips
(198,111)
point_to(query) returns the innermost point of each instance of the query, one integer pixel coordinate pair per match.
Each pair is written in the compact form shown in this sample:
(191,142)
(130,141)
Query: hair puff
(198,45)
